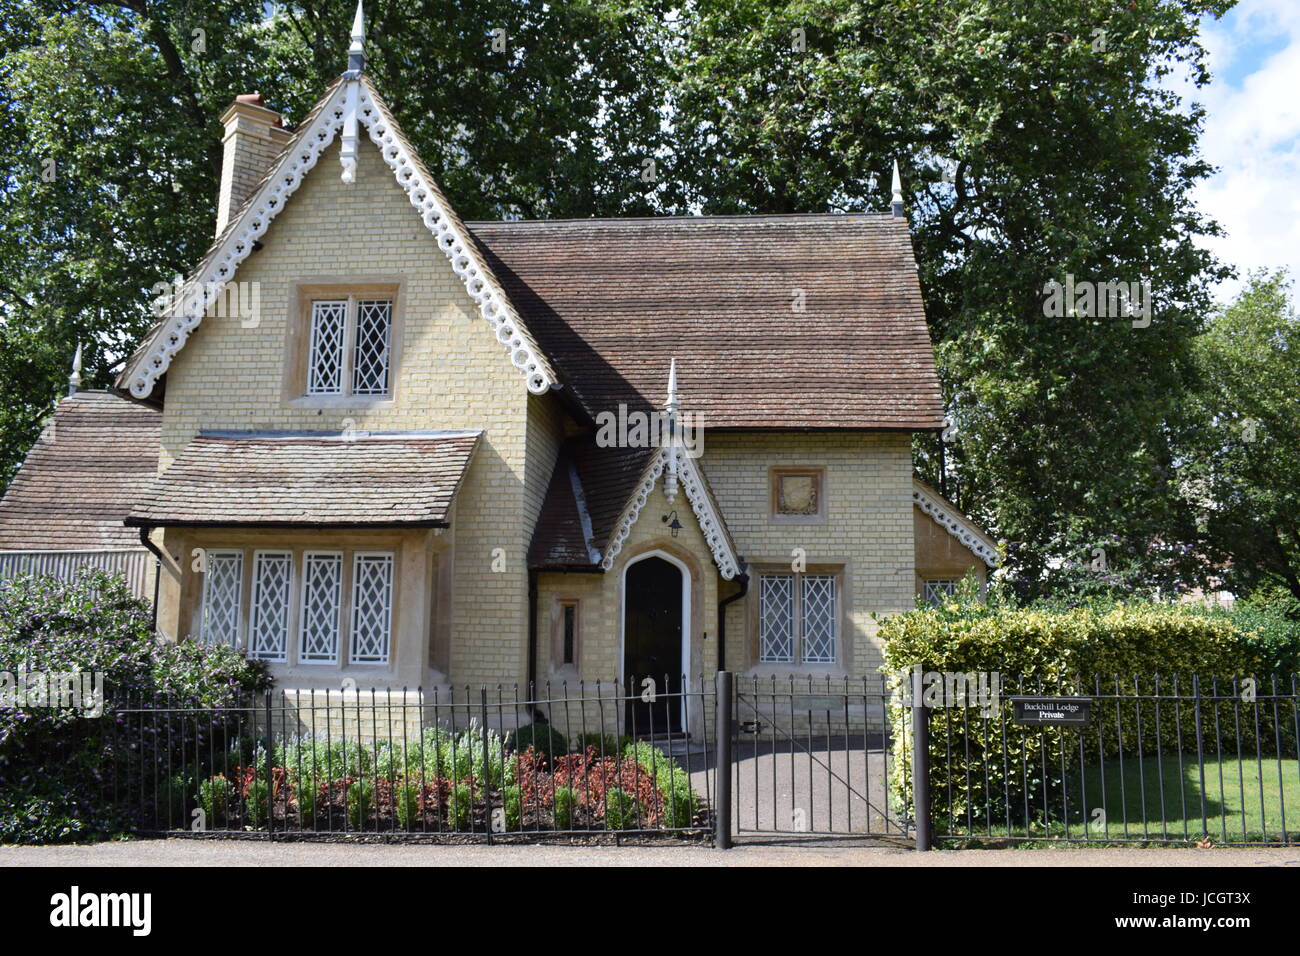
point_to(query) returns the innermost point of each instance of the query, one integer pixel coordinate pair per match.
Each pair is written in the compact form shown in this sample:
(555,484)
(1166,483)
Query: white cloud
(1252,133)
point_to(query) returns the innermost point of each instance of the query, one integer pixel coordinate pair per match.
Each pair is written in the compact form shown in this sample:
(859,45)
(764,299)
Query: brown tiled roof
(78,481)
(298,479)
(606,478)
(588,492)
(612,301)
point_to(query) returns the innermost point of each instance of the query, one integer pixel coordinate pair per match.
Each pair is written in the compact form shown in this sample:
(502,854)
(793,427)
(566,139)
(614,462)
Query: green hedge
(979,762)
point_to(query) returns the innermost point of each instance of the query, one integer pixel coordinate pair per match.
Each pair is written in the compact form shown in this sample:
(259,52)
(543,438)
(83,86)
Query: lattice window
(325,358)
(776,618)
(268,636)
(370,355)
(937,591)
(223,583)
(798,618)
(322,594)
(819,615)
(372,607)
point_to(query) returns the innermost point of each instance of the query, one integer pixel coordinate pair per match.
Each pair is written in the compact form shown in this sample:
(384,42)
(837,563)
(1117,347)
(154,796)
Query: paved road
(186,852)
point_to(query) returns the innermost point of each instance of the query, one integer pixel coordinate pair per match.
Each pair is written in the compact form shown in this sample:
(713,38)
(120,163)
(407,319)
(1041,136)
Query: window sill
(340,402)
(798,671)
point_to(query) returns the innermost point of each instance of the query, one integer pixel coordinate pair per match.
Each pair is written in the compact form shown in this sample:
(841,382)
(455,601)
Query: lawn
(1244,801)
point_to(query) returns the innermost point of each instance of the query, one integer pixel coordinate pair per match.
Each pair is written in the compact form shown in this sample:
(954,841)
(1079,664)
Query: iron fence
(1156,759)
(573,760)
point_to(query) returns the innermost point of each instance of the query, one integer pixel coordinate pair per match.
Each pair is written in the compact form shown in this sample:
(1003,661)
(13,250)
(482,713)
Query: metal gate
(813,757)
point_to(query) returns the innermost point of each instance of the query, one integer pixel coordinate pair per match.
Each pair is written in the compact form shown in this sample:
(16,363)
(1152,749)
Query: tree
(1242,466)
(112,147)
(1036,143)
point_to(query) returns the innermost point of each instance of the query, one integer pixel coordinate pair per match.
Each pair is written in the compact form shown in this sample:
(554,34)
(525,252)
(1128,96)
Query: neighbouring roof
(294,479)
(612,301)
(949,517)
(93,459)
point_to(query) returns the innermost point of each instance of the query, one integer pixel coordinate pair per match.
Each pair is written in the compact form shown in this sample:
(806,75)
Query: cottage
(394,473)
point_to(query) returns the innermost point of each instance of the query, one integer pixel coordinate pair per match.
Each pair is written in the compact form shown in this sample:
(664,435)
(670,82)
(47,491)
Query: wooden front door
(652,645)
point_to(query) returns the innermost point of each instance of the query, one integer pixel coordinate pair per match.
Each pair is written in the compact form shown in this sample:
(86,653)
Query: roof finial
(896,202)
(357,51)
(74,380)
(670,409)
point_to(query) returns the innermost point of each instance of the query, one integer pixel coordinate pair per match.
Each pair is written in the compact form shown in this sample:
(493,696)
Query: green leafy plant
(257,803)
(620,809)
(361,801)
(215,798)
(459,807)
(566,799)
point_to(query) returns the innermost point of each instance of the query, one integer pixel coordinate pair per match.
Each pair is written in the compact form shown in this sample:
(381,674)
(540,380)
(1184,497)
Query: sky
(1252,133)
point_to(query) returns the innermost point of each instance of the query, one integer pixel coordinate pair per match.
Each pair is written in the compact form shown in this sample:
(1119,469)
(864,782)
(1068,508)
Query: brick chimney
(254,137)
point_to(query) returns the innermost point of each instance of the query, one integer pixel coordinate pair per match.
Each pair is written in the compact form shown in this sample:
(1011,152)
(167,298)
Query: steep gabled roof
(94,458)
(319,129)
(596,496)
(610,301)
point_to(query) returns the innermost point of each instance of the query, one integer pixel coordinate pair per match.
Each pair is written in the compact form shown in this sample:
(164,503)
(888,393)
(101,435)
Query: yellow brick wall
(868,527)
(451,373)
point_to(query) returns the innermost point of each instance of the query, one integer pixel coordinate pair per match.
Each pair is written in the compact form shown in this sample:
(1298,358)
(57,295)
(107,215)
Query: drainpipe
(157,574)
(743,580)
(537,715)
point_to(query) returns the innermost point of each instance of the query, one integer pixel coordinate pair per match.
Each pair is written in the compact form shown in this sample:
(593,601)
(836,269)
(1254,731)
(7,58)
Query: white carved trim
(465,261)
(705,514)
(219,267)
(956,524)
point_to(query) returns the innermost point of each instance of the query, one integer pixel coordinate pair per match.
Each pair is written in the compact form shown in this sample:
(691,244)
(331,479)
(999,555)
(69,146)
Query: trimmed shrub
(215,798)
(543,738)
(607,745)
(257,802)
(674,783)
(407,795)
(512,801)
(361,801)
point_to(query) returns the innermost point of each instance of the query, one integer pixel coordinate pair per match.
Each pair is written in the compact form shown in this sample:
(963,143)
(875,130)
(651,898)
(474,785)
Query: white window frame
(254,610)
(353,657)
(798,623)
(348,366)
(303,617)
(208,555)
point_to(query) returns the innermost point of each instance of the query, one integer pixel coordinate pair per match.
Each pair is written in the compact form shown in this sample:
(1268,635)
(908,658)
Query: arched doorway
(656,615)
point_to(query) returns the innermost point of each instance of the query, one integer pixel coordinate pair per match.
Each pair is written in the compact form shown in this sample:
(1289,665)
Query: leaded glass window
(372,607)
(322,595)
(223,585)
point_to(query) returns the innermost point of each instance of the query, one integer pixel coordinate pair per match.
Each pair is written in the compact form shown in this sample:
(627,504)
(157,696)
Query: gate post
(722,812)
(920,760)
